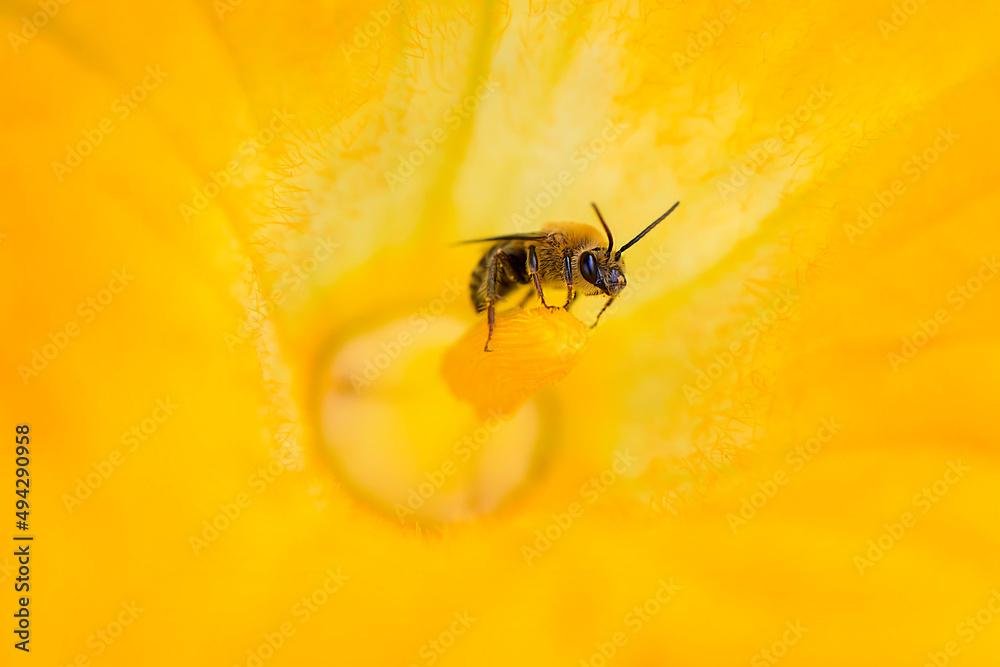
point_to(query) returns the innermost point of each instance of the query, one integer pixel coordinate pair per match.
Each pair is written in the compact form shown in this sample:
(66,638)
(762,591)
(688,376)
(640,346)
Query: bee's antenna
(643,232)
(607,230)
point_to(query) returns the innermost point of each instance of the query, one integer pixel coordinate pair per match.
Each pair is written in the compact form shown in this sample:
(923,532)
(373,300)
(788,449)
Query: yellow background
(896,75)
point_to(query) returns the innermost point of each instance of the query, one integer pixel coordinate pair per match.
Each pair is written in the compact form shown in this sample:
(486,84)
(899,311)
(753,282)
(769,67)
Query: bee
(569,253)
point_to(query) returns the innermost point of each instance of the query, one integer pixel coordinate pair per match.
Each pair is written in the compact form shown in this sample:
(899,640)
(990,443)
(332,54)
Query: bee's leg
(492,273)
(490,315)
(606,304)
(568,270)
(533,272)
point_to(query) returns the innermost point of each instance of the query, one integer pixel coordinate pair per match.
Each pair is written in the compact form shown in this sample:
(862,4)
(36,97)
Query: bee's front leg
(568,270)
(606,304)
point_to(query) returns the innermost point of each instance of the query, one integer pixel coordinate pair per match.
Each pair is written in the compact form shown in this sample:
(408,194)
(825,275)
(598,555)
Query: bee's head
(604,268)
(607,275)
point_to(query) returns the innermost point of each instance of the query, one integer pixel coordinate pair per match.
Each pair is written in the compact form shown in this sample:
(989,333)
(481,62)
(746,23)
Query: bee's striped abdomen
(509,275)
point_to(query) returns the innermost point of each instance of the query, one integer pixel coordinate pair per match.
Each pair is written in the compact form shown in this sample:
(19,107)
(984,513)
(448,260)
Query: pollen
(530,349)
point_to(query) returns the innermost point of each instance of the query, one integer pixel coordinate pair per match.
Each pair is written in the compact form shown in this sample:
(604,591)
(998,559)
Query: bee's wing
(529,236)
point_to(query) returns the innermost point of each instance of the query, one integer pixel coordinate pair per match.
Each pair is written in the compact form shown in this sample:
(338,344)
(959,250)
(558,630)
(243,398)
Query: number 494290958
(22,484)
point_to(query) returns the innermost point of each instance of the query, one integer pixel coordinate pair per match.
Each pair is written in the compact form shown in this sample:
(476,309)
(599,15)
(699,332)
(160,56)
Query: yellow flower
(236,326)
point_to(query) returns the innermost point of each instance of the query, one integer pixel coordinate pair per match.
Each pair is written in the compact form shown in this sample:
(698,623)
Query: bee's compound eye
(588,267)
